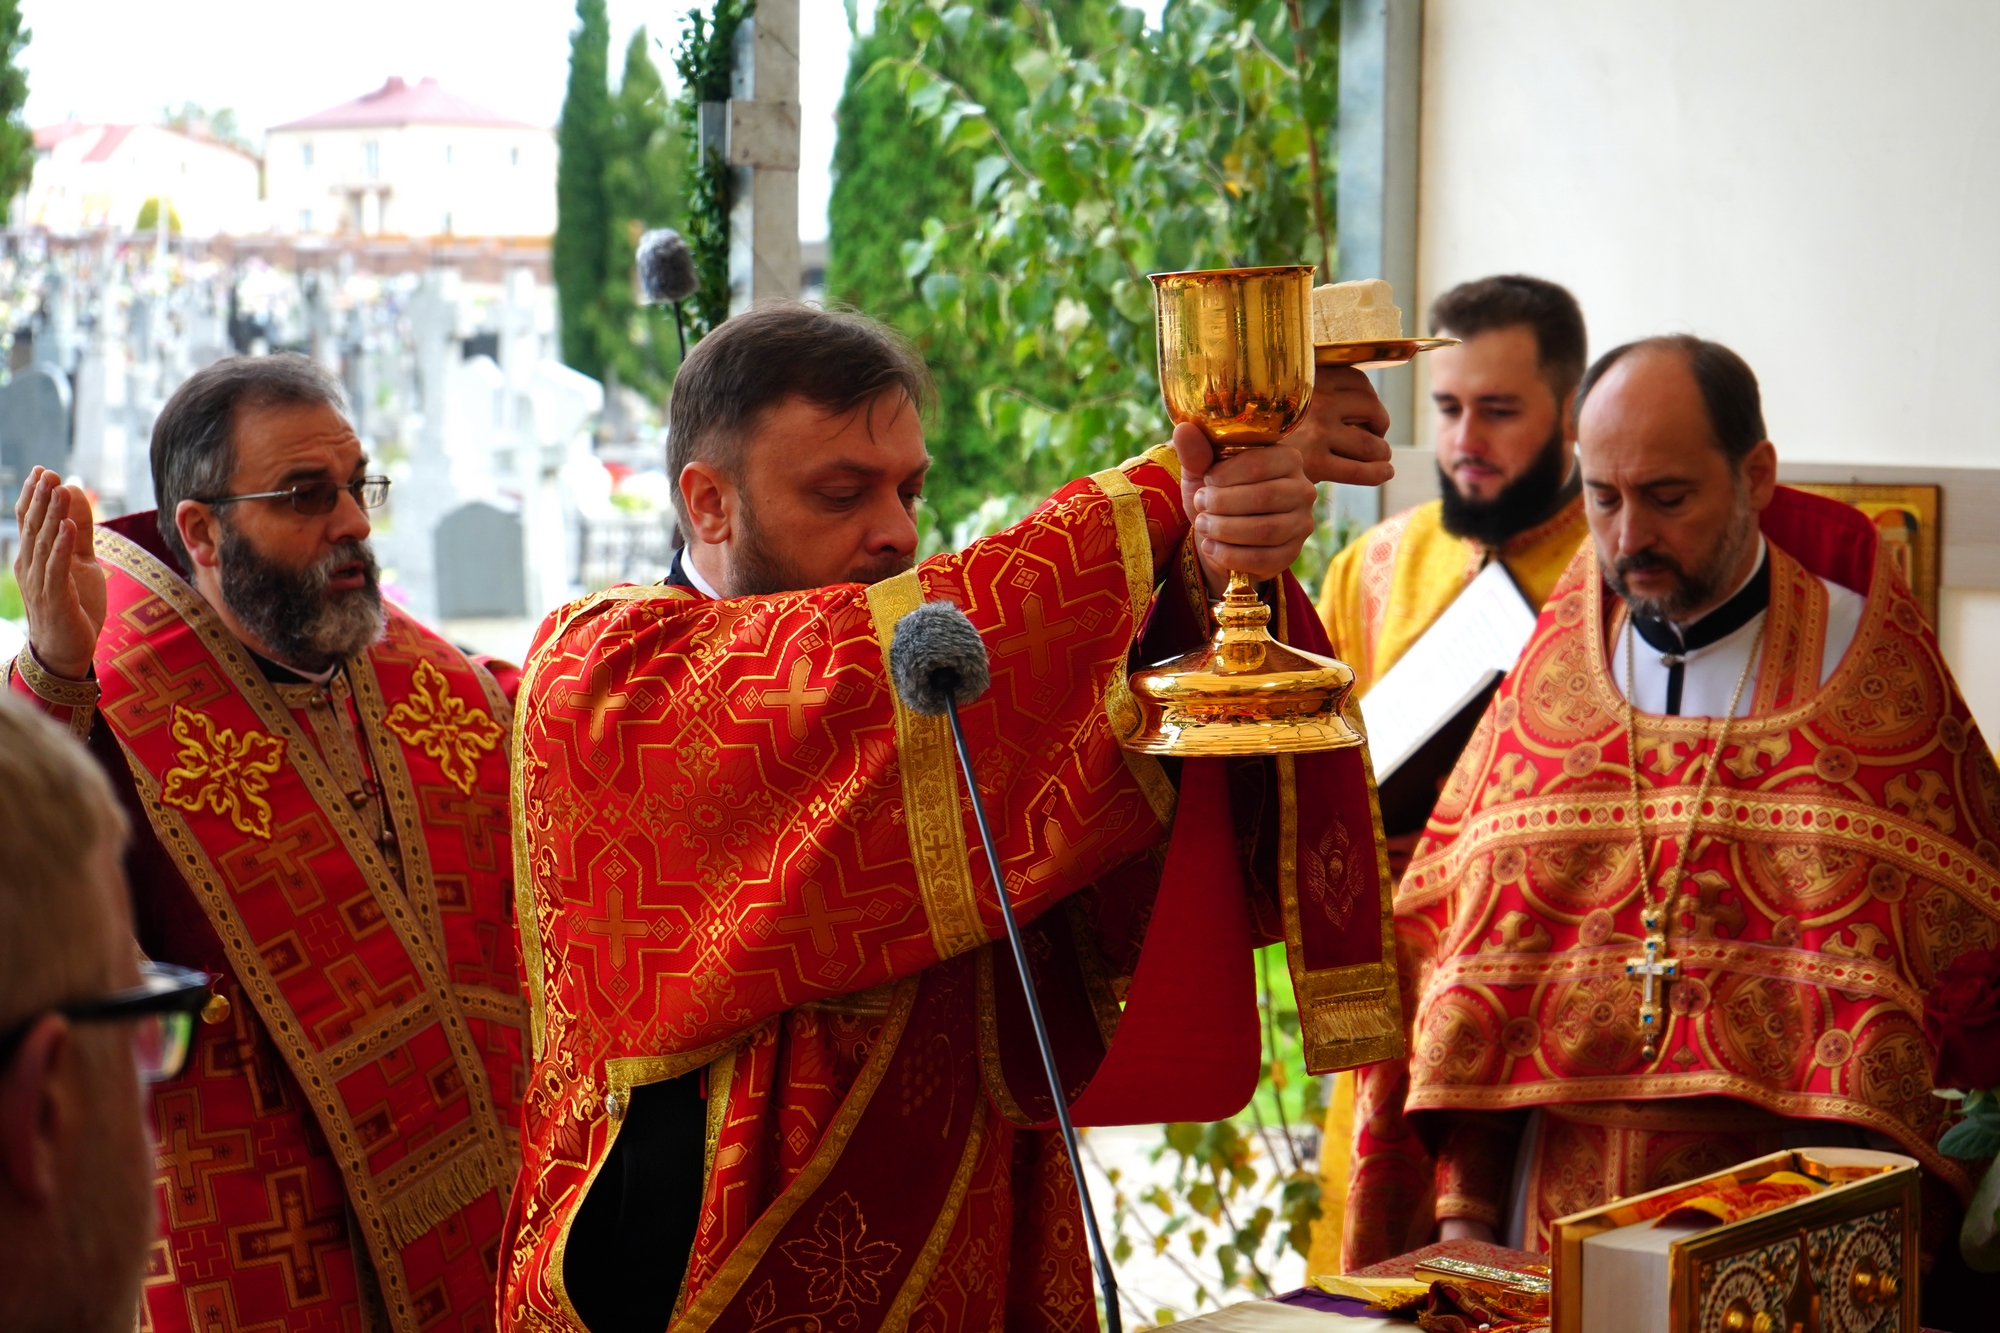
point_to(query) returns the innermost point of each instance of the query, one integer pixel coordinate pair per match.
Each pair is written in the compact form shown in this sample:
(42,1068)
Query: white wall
(1814,182)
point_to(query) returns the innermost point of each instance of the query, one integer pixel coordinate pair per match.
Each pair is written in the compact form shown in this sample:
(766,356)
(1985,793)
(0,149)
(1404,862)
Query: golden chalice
(1236,358)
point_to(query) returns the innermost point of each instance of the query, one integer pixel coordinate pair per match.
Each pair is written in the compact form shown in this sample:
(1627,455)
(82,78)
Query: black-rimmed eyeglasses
(162,1006)
(316,497)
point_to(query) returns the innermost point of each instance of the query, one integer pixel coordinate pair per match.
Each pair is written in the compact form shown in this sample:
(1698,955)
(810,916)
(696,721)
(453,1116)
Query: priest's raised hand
(56,569)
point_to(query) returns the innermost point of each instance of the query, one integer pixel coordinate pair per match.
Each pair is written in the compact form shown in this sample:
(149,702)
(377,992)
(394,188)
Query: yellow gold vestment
(1390,584)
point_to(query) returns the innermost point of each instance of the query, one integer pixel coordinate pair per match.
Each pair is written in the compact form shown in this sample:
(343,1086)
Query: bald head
(1675,472)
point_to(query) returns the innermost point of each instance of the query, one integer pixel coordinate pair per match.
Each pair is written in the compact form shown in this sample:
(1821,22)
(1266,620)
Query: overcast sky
(277,60)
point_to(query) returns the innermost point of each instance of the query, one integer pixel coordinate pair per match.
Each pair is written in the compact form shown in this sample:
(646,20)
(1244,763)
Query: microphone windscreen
(666,267)
(937,657)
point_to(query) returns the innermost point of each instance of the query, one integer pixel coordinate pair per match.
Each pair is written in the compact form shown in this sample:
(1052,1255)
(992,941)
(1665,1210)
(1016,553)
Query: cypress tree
(582,240)
(643,179)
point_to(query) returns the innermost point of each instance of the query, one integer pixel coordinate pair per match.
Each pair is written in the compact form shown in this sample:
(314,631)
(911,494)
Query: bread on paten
(1360,311)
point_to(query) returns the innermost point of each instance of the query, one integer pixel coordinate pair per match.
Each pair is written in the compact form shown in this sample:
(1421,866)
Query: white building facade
(90,177)
(410,160)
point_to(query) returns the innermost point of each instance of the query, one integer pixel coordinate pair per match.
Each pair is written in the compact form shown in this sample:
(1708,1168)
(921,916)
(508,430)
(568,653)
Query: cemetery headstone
(34,424)
(481,571)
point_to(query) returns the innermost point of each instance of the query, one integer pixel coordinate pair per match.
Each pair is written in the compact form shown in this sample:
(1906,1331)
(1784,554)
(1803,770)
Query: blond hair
(57,819)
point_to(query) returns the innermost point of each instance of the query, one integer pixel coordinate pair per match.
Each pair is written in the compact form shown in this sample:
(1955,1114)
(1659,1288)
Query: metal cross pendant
(1654,966)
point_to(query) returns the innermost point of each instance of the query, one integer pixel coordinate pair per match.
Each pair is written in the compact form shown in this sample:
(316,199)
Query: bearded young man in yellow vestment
(1731,744)
(783,1079)
(1507,480)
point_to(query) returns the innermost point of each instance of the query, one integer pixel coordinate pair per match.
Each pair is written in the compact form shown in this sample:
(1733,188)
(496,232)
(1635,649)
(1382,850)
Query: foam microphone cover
(666,268)
(937,657)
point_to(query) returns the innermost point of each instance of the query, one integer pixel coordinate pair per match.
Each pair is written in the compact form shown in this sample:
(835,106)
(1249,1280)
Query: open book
(1420,714)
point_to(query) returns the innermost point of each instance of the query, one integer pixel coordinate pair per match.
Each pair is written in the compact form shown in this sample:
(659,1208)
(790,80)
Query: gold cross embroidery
(795,698)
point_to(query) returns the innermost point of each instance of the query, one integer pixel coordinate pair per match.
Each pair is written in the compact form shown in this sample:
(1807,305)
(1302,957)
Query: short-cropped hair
(57,814)
(1545,308)
(194,440)
(835,359)
(1728,388)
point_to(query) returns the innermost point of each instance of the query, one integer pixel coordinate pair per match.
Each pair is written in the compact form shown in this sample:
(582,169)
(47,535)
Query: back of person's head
(194,438)
(837,360)
(1513,299)
(1728,387)
(75,1154)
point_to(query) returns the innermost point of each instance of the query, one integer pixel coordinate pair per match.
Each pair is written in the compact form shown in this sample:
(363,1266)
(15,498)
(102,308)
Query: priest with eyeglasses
(317,791)
(1718,831)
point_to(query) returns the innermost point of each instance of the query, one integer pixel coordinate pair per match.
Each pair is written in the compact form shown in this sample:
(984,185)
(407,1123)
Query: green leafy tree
(149,217)
(890,172)
(17,141)
(1129,151)
(582,246)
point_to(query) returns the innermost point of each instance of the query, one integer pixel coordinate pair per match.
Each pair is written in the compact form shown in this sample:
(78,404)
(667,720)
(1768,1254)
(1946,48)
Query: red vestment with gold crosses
(337,1153)
(1847,849)
(740,852)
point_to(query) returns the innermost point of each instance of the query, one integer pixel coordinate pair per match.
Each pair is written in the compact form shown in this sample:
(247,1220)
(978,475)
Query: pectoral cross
(1654,966)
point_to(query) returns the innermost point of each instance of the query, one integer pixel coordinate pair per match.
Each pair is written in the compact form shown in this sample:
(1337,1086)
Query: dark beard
(758,570)
(1694,589)
(306,626)
(1523,502)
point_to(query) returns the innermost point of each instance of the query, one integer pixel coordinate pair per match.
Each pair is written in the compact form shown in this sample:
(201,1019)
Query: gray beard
(299,619)
(1695,588)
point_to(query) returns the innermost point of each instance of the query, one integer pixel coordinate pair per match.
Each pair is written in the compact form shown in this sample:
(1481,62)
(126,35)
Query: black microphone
(938,662)
(667,275)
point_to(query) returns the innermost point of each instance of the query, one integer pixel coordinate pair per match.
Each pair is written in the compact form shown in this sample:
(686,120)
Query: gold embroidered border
(385,1034)
(743,1260)
(54,689)
(1824,971)
(1135,552)
(1559,1092)
(898,1316)
(1741,817)
(925,756)
(247,963)
(525,919)
(992,1072)
(1348,1016)
(306,1063)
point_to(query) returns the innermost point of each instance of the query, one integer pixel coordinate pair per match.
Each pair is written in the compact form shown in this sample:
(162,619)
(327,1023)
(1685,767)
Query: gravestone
(480,567)
(34,425)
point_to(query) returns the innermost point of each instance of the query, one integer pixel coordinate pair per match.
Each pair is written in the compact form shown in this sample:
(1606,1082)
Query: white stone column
(762,149)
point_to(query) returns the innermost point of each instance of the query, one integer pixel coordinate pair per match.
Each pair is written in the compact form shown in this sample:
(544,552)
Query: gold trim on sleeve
(930,793)
(1135,551)
(54,689)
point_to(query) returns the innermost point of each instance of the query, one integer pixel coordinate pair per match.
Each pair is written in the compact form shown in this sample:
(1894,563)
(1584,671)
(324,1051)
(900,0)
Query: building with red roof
(411,159)
(90,177)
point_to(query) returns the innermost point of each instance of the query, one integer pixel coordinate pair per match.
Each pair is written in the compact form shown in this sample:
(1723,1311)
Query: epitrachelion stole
(391,992)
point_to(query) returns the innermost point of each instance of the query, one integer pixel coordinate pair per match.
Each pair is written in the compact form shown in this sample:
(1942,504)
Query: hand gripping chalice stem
(1236,358)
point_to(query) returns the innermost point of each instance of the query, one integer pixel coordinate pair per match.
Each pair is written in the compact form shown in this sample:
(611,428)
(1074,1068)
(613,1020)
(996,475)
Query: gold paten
(1376,353)
(1236,358)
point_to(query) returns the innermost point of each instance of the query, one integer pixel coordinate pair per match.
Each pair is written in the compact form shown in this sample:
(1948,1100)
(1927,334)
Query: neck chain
(1655,965)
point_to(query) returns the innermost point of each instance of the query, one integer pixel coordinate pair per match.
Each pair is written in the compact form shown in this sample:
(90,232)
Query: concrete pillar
(1381,72)
(762,147)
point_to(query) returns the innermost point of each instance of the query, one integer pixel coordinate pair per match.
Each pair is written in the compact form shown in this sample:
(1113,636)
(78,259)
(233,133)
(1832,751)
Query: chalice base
(1242,693)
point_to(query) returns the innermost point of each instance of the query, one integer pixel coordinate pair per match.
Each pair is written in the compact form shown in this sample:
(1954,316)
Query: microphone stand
(1113,1324)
